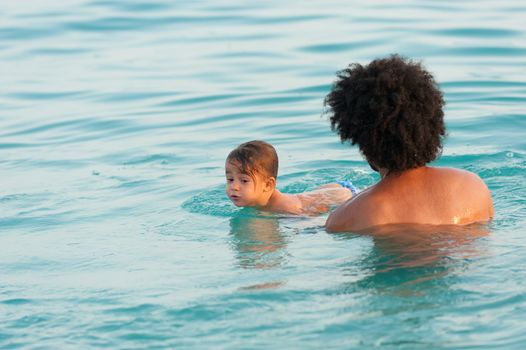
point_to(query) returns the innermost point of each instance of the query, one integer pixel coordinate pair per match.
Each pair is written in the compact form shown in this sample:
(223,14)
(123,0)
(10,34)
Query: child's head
(251,172)
(391,108)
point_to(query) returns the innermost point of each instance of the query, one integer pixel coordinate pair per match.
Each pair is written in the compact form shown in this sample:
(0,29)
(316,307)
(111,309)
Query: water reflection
(258,242)
(409,260)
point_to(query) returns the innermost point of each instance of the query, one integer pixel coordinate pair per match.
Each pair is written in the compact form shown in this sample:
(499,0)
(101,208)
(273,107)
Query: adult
(392,109)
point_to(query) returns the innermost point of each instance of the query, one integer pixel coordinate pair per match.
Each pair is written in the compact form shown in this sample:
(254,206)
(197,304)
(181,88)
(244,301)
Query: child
(251,173)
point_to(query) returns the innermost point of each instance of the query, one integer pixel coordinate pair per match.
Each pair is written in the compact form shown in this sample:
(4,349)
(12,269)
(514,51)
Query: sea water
(116,118)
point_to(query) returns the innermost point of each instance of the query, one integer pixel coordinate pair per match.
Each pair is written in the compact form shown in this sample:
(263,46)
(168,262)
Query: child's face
(244,190)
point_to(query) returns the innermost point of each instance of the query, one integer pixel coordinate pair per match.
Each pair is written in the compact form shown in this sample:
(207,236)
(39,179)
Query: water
(116,117)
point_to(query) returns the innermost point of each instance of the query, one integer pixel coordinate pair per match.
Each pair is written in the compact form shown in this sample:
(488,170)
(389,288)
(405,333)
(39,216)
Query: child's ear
(270,184)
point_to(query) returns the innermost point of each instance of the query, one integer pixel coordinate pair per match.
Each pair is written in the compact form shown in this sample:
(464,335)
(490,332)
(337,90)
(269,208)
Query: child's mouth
(236,200)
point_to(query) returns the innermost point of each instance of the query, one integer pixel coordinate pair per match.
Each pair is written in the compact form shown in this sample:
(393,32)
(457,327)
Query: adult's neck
(386,174)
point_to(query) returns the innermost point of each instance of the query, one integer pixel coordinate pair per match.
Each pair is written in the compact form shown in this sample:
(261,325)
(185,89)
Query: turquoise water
(116,117)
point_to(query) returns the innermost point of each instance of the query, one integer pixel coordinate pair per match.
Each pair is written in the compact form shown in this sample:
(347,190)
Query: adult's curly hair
(391,108)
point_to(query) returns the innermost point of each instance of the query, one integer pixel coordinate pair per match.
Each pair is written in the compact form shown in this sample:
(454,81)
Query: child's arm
(321,199)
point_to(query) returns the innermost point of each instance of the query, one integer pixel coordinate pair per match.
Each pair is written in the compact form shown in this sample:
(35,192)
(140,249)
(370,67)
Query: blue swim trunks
(349,185)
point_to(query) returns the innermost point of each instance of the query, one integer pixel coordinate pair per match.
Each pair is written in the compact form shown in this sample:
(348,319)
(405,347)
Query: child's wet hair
(255,157)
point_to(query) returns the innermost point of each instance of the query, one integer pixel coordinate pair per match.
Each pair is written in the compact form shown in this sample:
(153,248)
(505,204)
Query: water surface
(116,117)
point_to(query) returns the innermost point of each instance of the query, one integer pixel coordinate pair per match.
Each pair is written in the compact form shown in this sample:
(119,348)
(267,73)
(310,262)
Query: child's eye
(229,180)
(245,180)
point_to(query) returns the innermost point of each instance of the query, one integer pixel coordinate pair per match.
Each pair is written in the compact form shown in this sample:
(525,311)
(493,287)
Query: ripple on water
(342,46)
(135,6)
(482,51)
(477,32)
(215,202)
(40,95)
(17,301)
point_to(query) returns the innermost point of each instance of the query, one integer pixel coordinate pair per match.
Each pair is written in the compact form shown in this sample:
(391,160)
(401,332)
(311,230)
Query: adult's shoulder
(469,190)
(355,214)
(460,177)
